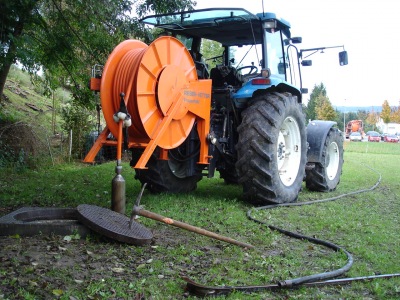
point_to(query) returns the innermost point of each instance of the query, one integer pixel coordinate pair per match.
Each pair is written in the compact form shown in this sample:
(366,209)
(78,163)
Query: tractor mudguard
(317,132)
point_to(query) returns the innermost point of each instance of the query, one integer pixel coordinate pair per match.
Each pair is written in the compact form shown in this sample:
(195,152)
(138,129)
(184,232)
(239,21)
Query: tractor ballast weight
(162,95)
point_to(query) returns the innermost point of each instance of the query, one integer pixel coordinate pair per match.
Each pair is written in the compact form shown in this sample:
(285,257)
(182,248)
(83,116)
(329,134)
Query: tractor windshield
(228,26)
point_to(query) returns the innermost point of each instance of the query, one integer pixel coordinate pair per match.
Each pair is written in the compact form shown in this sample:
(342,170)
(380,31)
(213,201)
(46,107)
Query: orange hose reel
(162,94)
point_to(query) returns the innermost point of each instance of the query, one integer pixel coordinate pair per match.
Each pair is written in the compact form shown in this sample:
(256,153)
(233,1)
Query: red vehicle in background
(391,138)
(374,137)
(354,126)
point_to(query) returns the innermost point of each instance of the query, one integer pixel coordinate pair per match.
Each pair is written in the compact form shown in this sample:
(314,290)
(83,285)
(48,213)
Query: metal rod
(119,142)
(169,221)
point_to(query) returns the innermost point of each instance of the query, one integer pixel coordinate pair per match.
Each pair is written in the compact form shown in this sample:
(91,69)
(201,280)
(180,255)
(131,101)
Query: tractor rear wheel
(272,149)
(325,176)
(168,176)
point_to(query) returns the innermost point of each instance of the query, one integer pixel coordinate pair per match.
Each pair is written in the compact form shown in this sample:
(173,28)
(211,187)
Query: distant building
(390,128)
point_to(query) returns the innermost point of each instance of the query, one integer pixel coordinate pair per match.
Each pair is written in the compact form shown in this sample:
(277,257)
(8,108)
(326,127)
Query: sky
(368,30)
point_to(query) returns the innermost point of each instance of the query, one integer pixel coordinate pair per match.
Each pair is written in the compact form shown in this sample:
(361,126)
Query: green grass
(366,225)
(20,91)
(373,148)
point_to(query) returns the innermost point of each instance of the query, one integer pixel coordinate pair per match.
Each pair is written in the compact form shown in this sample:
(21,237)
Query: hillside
(30,125)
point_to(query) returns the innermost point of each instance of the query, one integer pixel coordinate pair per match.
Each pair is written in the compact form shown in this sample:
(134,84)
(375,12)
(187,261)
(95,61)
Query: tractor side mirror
(304,90)
(306,63)
(296,40)
(343,58)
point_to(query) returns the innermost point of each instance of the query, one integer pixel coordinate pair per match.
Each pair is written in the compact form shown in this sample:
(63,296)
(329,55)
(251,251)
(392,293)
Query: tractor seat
(222,75)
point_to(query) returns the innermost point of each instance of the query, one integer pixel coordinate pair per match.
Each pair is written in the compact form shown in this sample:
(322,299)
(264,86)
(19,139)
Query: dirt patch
(17,136)
(16,89)
(47,265)
(20,143)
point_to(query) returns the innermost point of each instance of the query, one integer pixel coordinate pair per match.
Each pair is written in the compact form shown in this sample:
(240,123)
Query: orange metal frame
(162,94)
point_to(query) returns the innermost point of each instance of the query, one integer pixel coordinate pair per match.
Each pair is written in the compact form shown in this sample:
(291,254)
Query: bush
(80,122)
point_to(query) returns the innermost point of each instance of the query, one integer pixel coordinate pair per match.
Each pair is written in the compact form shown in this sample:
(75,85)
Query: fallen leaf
(58,292)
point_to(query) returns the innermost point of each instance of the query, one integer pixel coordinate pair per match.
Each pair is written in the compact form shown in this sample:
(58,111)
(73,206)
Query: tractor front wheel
(325,176)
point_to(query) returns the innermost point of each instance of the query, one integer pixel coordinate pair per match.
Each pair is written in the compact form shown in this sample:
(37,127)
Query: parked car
(374,137)
(355,137)
(391,138)
(371,132)
(383,135)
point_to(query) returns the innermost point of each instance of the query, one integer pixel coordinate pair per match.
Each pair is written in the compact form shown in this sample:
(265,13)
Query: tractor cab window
(276,61)
(187,41)
(246,59)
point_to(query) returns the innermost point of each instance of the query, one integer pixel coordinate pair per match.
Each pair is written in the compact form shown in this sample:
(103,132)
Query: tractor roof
(228,26)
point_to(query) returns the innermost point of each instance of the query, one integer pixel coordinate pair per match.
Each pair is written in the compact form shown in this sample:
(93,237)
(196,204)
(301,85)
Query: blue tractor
(258,134)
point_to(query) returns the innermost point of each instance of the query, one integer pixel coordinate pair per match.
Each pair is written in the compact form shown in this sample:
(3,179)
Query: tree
(211,49)
(162,6)
(66,38)
(395,115)
(324,109)
(372,118)
(14,16)
(362,115)
(385,114)
(318,90)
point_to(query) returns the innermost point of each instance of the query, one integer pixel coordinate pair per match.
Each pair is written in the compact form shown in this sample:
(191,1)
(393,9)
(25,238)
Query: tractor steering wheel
(253,69)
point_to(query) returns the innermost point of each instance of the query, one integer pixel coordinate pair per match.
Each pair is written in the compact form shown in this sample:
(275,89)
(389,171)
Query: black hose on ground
(319,276)
(319,279)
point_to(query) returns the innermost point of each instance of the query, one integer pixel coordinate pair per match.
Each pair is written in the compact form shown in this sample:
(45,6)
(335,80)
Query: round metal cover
(113,225)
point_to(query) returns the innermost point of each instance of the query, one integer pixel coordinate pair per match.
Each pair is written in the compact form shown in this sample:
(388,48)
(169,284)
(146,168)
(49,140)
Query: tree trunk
(10,57)
(3,76)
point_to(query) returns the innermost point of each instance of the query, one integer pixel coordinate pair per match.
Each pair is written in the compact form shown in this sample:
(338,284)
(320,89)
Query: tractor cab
(235,48)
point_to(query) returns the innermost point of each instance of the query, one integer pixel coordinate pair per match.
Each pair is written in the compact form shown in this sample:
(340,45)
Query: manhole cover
(113,225)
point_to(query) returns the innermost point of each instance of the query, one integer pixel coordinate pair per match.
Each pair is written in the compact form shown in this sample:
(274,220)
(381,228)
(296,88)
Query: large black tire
(325,176)
(168,176)
(272,149)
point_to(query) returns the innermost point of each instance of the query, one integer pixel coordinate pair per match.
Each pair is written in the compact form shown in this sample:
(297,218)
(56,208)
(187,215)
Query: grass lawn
(366,225)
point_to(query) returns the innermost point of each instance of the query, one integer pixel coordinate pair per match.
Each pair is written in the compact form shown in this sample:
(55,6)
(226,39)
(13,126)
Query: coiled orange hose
(153,79)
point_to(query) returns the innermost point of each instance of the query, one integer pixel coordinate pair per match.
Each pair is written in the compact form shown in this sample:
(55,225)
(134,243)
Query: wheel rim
(289,151)
(177,168)
(333,160)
